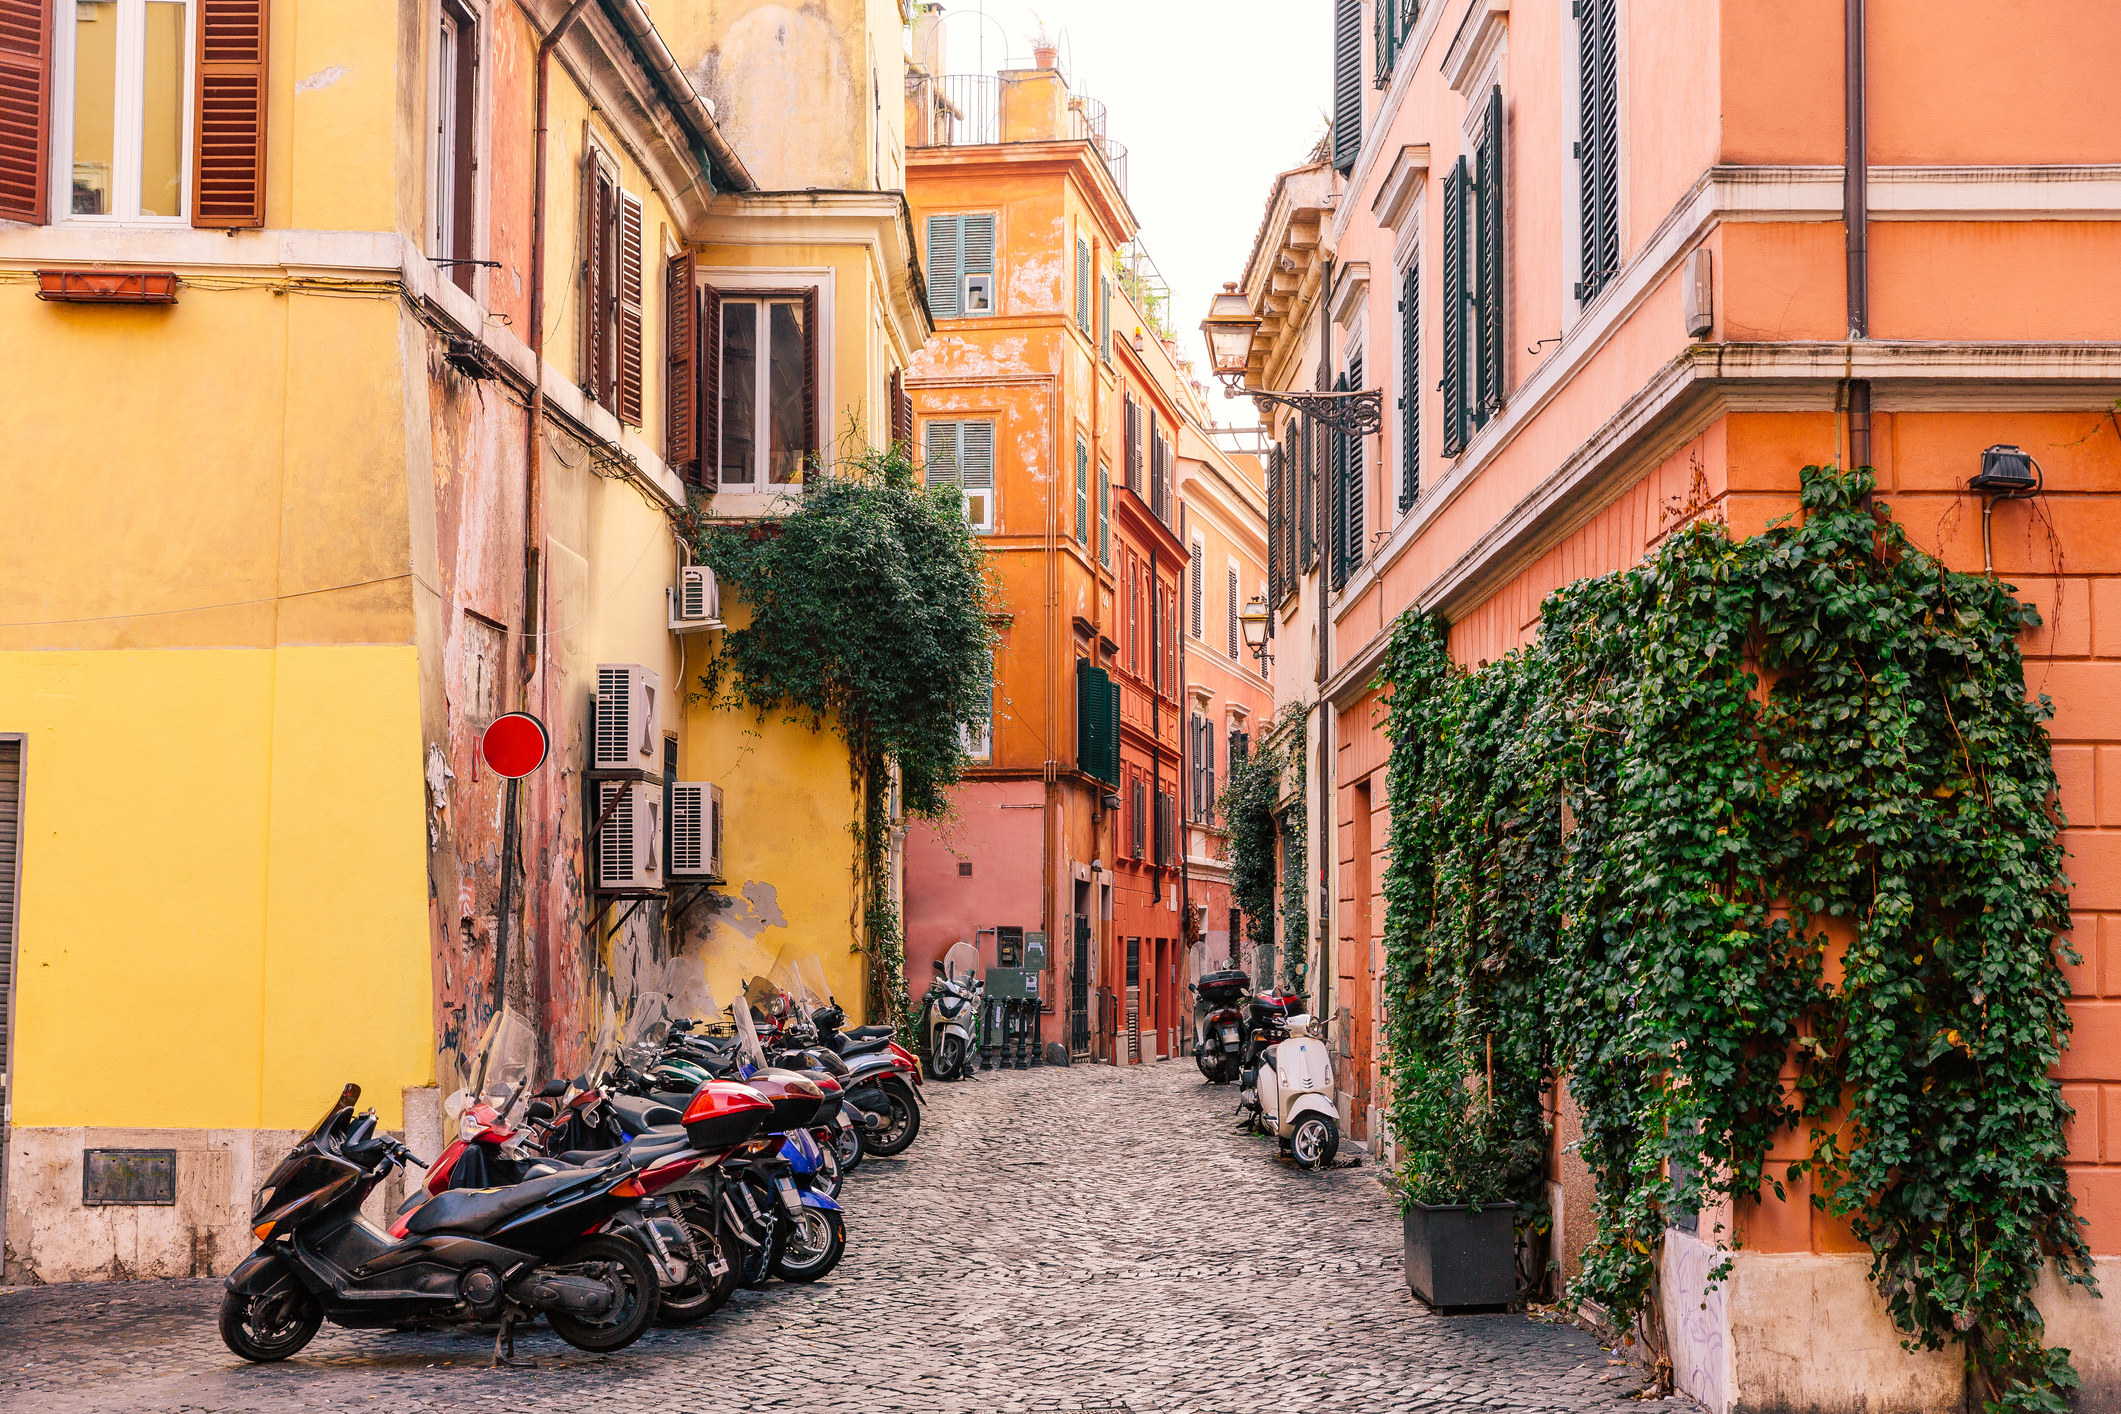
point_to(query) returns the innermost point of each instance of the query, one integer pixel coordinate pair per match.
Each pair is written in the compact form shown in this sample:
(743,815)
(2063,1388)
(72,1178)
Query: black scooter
(468,1256)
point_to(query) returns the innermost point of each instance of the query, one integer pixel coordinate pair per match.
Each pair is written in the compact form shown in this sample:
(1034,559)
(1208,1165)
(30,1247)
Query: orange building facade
(1603,265)
(1052,399)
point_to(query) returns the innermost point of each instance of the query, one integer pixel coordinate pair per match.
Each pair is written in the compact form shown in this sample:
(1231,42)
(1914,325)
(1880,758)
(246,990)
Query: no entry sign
(514,745)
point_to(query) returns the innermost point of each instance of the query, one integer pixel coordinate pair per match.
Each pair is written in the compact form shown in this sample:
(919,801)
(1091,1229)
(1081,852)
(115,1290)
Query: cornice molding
(1479,35)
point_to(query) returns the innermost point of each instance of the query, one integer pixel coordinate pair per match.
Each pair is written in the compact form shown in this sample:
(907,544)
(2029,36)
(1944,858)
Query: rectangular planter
(1458,1259)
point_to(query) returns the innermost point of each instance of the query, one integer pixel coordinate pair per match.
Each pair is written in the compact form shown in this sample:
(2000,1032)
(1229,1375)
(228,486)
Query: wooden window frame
(718,288)
(126,120)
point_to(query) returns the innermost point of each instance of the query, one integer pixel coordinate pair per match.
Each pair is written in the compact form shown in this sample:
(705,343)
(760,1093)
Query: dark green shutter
(1274,512)
(1337,505)
(1598,149)
(1347,82)
(1096,722)
(1454,309)
(1356,497)
(1409,386)
(1104,513)
(1307,490)
(1082,492)
(1490,193)
(1111,729)
(1082,284)
(1104,319)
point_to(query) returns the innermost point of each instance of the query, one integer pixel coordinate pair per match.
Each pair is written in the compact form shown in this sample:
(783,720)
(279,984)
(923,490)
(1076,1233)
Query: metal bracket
(1358,414)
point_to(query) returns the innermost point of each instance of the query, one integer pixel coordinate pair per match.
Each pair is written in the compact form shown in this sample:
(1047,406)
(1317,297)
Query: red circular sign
(514,745)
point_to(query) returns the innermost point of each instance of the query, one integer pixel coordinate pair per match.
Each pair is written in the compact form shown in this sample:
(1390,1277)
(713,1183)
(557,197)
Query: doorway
(1160,1002)
(1079,976)
(1134,1001)
(1362,964)
(10,891)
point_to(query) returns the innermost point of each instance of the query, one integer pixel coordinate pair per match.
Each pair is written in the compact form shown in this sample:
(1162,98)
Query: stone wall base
(1789,1332)
(51,1236)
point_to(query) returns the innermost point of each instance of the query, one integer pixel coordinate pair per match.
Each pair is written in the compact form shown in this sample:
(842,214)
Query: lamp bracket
(1357,414)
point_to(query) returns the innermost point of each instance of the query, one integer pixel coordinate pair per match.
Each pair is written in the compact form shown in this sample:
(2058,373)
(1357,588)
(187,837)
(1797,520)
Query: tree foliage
(1250,803)
(1750,805)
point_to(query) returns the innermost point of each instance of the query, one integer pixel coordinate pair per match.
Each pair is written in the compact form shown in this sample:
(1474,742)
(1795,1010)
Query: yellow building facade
(317,464)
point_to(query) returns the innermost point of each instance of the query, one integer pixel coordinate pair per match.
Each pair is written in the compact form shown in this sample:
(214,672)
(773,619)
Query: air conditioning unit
(629,847)
(629,717)
(696,601)
(695,831)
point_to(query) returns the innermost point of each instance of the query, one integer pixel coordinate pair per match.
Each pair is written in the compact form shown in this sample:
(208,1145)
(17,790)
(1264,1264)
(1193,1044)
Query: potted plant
(1466,1175)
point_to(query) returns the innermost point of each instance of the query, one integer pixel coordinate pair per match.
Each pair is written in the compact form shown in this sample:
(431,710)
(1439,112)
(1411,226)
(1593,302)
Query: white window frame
(979,741)
(981,525)
(125,133)
(762,283)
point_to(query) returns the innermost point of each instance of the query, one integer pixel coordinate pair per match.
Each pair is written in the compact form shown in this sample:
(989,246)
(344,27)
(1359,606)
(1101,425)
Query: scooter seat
(868,1033)
(642,1116)
(655,1143)
(481,1209)
(855,1050)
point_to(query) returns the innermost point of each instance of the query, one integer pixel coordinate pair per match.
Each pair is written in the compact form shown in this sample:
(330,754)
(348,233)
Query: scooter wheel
(1315,1141)
(950,1058)
(627,1268)
(270,1327)
(815,1246)
(852,1148)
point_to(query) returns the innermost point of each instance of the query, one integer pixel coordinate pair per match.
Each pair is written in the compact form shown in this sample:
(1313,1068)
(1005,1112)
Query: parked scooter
(950,1013)
(1219,1045)
(538,1248)
(1290,1091)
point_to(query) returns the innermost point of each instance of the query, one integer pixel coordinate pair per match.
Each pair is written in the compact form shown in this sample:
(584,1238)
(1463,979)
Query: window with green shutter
(961,454)
(1456,296)
(1104,513)
(1355,498)
(1307,494)
(1473,347)
(1489,249)
(1096,722)
(977,735)
(1082,285)
(960,265)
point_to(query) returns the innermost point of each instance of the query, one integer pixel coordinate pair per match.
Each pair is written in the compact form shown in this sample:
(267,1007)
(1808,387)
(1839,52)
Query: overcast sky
(1211,97)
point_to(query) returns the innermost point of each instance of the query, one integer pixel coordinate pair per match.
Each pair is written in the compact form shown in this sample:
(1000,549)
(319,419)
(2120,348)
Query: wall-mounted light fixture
(2008,473)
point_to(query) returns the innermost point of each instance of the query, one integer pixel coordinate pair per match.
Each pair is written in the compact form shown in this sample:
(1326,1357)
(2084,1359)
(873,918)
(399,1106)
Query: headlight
(950,1006)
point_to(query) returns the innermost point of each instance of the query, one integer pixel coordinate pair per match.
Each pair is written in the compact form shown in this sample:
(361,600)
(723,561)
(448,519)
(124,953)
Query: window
(452,128)
(1276,470)
(681,367)
(1409,386)
(1135,626)
(1134,443)
(1197,572)
(1393,27)
(1166,644)
(961,454)
(1347,83)
(1096,723)
(1350,494)
(763,376)
(960,270)
(1235,637)
(611,289)
(1104,319)
(1104,513)
(1201,776)
(1598,144)
(1138,824)
(127,106)
(1472,291)
(977,735)
(1307,493)
(1082,492)
(1166,827)
(1082,285)
(1160,470)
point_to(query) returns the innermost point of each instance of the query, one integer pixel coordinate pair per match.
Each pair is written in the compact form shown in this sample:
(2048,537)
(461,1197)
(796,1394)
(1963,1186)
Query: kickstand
(504,1346)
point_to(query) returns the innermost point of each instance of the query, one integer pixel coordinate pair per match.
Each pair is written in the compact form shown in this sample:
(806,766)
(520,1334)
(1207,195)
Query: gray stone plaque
(134,1177)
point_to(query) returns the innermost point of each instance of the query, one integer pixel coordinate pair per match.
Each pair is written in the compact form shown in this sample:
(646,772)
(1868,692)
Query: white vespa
(1291,1094)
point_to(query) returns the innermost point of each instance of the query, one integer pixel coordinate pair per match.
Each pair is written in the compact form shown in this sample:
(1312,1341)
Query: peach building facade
(1665,300)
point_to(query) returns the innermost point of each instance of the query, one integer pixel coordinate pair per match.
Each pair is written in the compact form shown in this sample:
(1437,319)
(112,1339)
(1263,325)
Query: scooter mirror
(938,967)
(553,1090)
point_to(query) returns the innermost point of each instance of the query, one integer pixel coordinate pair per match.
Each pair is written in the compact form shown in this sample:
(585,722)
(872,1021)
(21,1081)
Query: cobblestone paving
(1070,1239)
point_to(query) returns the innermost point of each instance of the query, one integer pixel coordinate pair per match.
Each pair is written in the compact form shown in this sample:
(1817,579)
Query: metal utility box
(1035,952)
(1011,984)
(1009,946)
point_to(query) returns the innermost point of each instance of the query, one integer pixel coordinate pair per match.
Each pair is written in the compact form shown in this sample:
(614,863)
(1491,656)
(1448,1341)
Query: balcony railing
(966,110)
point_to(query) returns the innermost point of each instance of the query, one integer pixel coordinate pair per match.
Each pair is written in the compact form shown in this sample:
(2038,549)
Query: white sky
(1212,98)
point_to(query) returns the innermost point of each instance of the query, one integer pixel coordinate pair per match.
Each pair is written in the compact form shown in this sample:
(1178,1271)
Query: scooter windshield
(501,1072)
(647,1025)
(962,961)
(749,1051)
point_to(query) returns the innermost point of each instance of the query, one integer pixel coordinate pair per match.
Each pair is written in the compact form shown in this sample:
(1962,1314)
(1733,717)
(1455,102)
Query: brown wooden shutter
(710,408)
(681,349)
(228,115)
(599,279)
(629,311)
(901,411)
(25,108)
(810,357)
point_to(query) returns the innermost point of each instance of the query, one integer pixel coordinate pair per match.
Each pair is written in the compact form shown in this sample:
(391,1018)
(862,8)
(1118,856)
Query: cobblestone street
(1075,1239)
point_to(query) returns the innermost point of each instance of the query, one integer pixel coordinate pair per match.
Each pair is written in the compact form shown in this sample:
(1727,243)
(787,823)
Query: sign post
(513,746)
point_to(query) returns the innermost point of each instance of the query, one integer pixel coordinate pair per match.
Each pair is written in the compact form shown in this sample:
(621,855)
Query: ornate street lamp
(1253,620)
(1230,327)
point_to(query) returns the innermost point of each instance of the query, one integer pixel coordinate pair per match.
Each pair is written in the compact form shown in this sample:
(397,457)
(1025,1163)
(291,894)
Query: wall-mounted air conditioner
(629,845)
(695,831)
(695,601)
(629,718)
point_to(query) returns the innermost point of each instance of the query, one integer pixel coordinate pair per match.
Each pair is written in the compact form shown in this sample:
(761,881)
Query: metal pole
(508,879)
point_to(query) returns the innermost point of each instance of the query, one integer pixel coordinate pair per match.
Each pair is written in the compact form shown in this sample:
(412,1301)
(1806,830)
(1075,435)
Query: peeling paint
(322,78)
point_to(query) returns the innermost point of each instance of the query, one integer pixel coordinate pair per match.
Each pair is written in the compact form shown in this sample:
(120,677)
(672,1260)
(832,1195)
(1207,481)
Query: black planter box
(1459,1259)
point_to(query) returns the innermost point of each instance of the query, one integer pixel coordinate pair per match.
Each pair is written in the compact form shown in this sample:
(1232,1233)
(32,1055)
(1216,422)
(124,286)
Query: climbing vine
(868,599)
(1295,886)
(1248,802)
(1756,805)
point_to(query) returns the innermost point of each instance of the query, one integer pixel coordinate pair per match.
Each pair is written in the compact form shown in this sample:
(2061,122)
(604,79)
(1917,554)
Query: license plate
(1229,1035)
(788,1199)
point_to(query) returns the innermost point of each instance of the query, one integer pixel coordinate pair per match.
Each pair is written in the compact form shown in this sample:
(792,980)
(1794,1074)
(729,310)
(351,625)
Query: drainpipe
(1186,764)
(1323,841)
(1856,217)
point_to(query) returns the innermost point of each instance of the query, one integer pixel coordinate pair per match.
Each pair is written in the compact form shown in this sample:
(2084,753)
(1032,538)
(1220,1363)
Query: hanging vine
(1747,805)
(1295,830)
(868,601)
(1248,803)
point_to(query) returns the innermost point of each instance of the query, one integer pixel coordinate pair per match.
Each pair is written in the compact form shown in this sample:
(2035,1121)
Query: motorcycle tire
(1211,1066)
(755,1264)
(271,1327)
(1314,1141)
(609,1258)
(814,1247)
(950,1059)
(851,1149)
(903,1126)
(702,1295)
(829,1175)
